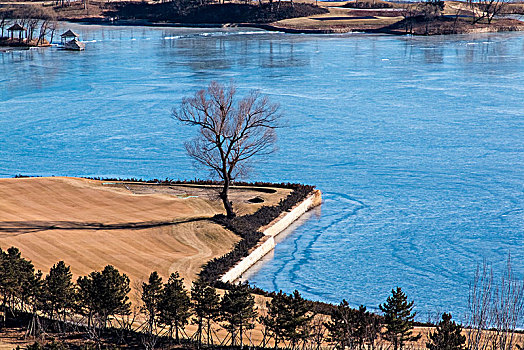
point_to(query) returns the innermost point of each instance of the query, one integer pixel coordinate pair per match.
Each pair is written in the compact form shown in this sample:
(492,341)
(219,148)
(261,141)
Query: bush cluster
(199,182)
(368,5)
(190,11)
(214,269)
(246,13)
(247,227)
(242,225)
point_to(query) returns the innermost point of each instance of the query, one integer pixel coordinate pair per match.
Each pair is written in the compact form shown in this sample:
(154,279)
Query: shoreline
(6,43)
(290,30)
(267,243)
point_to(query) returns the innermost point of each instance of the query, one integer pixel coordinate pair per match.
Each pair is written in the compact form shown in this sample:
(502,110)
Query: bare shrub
(496,309)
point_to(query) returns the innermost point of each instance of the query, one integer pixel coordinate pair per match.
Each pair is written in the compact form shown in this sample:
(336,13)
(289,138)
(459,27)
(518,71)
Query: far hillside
(213,13)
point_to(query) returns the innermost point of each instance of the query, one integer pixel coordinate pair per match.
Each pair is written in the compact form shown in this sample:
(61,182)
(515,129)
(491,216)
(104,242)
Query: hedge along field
(91,223)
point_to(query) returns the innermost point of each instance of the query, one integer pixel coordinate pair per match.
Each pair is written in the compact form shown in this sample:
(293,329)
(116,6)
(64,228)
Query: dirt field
(341,20)
(137,228)
(389,20)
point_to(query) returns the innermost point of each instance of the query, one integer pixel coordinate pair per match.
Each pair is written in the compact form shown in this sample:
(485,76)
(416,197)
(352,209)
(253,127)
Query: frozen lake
(417,143)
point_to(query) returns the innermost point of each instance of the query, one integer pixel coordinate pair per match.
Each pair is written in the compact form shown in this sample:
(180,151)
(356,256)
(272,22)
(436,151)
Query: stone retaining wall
(270,231)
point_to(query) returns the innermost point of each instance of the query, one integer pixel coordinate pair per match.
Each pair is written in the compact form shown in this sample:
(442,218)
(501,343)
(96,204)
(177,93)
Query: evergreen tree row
(100,301)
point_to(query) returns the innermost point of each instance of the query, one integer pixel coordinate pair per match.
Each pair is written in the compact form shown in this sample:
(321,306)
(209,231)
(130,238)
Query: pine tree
(298,318)
(206,305)
(20,286)
(277,313)
(8,277)
(238,311)
(16,280)
(398,318)
(175,305)
(340,326)
(447,336)
(151,294)
(34,300)
(368,327)
(58,290)
(354,328)
(104,294)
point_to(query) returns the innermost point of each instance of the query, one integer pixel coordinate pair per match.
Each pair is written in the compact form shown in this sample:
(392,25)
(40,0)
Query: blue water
(417,143)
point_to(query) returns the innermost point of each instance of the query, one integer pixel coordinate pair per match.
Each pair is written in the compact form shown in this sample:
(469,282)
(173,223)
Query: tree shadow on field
(21,227)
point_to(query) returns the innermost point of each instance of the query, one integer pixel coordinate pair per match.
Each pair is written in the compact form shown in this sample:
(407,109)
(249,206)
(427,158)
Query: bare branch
(231,131)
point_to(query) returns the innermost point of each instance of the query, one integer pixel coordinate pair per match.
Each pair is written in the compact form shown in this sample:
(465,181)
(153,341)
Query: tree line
(99,302)
(430,13)
(40,22)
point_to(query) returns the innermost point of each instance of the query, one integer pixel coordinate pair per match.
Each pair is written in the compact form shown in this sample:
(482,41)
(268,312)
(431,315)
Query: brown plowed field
(135,227)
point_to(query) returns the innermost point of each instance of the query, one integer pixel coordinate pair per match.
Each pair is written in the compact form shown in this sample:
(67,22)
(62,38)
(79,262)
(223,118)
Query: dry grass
(136,228)
(90,224)
(339,19)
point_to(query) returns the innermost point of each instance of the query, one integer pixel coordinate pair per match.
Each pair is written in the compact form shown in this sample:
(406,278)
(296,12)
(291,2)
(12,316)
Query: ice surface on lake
(417,143)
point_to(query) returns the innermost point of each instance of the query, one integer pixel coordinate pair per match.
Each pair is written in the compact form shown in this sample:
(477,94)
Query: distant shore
(6,43)
(305,18)
(505,26)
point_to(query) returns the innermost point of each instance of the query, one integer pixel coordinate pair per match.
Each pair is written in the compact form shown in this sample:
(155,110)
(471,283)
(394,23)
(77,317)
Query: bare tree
(430,10)
(318,331)
(231,131)
(508,308)
(458,13)
(479,316)
(51,30)
(4,21)
(487,9)
(48,26)
(408,11)
(32,24)
(498,306)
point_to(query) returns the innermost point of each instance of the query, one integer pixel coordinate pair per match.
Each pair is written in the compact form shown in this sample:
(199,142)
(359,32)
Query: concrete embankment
(270,231)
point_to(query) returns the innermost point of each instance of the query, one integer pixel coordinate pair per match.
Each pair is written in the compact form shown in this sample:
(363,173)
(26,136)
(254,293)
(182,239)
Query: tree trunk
(224,195)
(209,336)
(241,331)
(199,332)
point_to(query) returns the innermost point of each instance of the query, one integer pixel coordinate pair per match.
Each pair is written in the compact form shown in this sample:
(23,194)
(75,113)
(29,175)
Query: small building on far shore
(17,28)
(68,36)
(69,41)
